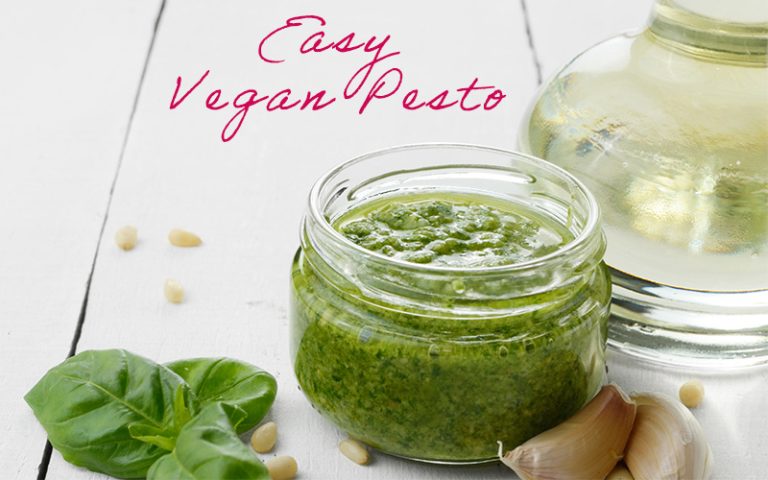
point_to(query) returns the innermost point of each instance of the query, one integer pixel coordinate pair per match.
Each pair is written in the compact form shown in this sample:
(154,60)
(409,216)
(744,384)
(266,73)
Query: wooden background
(88,144)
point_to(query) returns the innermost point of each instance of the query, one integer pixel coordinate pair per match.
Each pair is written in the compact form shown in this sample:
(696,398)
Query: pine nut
(183,238)
(264,437)
(126,237)
(282,468)
(691,393)
(354,451)
(174,292)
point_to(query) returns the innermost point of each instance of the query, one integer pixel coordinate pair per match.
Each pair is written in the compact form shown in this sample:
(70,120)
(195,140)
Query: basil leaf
(209,448)
(152,435)
(90,403)
(166,439)
(184,406)
(232,381)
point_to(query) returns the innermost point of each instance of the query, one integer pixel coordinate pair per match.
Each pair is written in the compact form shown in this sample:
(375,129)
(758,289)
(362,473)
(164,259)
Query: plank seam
(42,469)
(531,44)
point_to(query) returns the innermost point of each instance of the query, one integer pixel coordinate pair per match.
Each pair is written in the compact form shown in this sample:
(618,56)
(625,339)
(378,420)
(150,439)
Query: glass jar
(669,129)
(438,363)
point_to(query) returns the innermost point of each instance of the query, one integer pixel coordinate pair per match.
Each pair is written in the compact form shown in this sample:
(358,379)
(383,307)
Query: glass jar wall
(439,362)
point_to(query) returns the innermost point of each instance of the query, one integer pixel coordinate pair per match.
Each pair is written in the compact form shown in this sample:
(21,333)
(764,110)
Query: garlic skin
(667,442)
(620,473)
(587,445)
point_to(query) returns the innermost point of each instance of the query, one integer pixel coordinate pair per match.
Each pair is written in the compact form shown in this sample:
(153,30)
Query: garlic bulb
(667,442)
(587,445)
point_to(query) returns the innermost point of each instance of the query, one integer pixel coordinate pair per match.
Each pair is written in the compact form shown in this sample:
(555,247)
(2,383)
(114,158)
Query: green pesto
(459,230)
(440,388)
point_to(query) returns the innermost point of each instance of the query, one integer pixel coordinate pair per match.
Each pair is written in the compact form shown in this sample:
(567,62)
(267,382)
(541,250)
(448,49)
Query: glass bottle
(668,128)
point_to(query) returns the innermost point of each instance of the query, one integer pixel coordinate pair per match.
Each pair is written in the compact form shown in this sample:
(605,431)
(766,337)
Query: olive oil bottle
(669,129)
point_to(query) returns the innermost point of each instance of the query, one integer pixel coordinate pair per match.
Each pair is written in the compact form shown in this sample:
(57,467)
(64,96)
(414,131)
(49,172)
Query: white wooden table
(88,144)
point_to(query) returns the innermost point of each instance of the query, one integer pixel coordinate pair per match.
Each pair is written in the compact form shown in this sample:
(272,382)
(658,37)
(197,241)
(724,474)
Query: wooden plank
(561,30)
(70,73)
(246,197)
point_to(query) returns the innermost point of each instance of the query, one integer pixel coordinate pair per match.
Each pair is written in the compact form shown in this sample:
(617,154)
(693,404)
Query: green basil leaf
(226,380)
(89,403)
(182,414)
(152,435)
(183,404)
(208,448)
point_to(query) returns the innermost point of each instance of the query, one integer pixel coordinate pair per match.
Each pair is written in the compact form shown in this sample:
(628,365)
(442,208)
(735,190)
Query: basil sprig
(225,380)
(119,413)
(208,447)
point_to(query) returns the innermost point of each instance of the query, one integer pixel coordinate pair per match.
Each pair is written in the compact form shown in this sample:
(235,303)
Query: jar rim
(580,241)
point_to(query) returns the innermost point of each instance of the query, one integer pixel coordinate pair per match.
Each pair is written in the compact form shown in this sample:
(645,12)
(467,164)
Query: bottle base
(688,327)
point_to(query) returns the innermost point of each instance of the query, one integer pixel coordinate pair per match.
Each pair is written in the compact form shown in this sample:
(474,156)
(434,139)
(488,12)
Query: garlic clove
(587,445)
(620,473)
(667,442)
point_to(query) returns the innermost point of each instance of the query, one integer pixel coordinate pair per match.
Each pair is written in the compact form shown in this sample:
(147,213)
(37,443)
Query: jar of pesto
(448,297)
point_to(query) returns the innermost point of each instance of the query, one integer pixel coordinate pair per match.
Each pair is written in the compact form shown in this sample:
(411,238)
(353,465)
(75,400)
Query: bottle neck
(735,31)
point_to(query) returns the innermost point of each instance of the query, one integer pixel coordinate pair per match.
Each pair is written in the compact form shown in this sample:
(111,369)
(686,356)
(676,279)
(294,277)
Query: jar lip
(590,230)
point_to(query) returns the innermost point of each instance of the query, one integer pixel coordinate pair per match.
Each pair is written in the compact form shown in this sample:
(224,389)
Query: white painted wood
(563,29)
(69,77)
(245,198)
